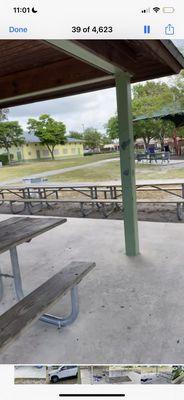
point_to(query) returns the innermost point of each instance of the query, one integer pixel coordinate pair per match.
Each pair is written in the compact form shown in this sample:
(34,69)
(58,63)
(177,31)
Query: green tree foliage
(3,114)
(178,90)
(153,128)
(146,100)
(92,138)
(50,132)
(105,139)
(76,135)
(112,128)
(150,98)
(11,134)
(146,129)
(165,129)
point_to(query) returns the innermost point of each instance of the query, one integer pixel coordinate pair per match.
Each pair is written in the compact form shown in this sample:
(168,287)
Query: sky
(77,112)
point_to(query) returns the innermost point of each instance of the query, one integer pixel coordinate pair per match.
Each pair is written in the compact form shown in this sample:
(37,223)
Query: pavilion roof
(177,117)
(36,70)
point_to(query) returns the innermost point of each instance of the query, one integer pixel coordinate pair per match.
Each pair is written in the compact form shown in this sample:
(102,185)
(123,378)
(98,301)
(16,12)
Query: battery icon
(168,10)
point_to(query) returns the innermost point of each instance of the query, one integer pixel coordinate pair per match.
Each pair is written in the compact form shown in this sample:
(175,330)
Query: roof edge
(169,45)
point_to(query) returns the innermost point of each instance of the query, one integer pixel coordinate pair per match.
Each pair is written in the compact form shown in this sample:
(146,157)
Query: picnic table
(48,194)
(15,231)
(162,156)
(31,307)
(89,189)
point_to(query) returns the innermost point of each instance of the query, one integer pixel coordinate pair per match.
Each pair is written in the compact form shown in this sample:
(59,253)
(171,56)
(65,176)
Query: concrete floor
(159,378)
(131,309)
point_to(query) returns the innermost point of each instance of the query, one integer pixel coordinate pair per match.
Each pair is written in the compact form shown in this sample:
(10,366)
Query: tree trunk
(162,143)
(51,150)
(146,142)
(52,154)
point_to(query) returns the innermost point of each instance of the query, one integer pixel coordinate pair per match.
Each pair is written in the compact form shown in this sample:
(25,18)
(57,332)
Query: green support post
(127,163)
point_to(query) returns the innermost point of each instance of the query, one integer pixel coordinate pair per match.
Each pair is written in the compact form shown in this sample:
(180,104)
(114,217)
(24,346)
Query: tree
(50,132)
(92,138)
(105,139)
(146,129)
(112,128)
(151,97)
(147,99)
(177,83)
(3,114)
(76,135)
(165,129)
(11,134)
(153,128)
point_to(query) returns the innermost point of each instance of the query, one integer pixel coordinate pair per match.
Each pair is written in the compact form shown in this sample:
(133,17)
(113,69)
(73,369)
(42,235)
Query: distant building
(111,147)
(33,150)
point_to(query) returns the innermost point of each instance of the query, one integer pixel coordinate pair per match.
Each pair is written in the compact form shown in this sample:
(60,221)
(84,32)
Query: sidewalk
(58,171)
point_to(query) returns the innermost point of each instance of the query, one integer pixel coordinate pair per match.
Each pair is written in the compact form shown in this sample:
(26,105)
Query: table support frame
(47,318)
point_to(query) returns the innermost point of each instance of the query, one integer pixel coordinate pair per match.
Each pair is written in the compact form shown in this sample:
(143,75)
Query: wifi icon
(156,9)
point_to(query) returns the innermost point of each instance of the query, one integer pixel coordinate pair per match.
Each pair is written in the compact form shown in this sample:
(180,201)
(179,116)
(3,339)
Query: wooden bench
(100,203)
(115,202)
(32,306)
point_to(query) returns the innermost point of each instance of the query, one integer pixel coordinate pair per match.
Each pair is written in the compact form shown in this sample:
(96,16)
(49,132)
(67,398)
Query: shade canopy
(176,117)
(35,70)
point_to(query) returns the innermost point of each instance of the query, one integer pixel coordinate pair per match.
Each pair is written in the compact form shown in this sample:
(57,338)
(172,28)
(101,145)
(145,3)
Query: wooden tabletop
(17,230)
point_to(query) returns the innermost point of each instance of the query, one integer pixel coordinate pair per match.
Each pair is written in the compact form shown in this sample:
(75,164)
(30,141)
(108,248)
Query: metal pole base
(60,322)
(180,211)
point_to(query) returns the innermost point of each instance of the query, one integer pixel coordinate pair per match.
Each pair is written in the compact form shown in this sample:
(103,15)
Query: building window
(56,152)
(65,151)
(73,150)
(29,153)
(45,153)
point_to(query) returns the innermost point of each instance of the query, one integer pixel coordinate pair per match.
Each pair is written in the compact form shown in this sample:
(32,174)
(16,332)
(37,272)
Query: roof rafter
(80,52)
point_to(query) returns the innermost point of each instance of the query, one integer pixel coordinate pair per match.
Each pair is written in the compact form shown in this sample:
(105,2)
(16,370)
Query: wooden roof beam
(49,79)
(81,52)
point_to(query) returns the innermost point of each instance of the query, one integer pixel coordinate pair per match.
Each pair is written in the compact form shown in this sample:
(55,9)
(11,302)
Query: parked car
(63,372)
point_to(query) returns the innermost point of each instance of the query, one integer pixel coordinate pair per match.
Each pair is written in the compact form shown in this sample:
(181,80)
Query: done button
(14,29)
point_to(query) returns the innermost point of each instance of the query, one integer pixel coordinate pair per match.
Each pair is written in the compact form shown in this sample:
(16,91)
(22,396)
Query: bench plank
(31,307)
(102,203)
(99,200)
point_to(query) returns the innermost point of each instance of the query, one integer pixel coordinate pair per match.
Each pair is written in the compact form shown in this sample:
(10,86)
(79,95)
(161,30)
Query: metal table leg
(59,322)
(50,319)
(182,205)
(182,190)
(16,273)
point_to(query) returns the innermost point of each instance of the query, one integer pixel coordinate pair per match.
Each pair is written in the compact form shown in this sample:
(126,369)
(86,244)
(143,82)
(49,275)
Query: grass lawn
(105,172)
(111,171)
(23,170)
